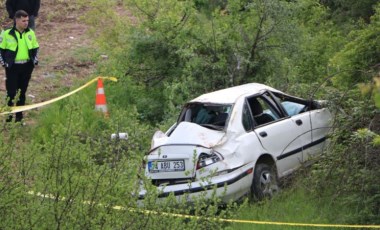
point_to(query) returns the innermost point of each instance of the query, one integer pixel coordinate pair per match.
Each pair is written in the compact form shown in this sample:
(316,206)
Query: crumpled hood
(190,133)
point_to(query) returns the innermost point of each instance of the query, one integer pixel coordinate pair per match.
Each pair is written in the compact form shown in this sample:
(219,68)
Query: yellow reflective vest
(9,46)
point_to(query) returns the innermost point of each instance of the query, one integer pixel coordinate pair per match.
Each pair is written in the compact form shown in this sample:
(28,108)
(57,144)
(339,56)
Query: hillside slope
(62,39)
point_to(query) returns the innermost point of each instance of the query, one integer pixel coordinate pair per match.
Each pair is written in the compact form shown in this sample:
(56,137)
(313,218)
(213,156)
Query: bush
(348,174)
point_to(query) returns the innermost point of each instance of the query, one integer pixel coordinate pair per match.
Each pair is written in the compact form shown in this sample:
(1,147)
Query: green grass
(292,205)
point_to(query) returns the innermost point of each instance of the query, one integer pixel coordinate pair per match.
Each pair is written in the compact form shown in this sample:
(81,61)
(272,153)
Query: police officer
(18,55)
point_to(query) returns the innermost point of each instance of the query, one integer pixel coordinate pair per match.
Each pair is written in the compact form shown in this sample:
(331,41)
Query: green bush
(347,174)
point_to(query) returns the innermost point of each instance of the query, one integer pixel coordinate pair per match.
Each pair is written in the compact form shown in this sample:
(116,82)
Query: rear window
(206,114)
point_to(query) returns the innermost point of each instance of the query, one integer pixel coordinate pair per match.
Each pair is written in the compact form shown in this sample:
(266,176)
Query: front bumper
(229,187)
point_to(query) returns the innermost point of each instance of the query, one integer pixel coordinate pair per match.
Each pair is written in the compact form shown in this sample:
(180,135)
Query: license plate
(166,166)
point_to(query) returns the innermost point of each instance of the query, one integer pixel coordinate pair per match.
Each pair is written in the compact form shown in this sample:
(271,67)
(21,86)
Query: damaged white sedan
(239,141)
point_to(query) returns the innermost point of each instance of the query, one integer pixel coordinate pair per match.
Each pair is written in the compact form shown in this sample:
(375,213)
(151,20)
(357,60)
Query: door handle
(299,122)
(263,134)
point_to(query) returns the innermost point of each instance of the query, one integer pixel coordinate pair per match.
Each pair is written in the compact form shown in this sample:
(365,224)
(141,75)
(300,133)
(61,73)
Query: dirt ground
(60,33)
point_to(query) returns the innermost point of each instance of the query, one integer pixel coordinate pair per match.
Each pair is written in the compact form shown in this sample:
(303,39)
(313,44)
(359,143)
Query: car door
(321,125)
(314,119)
(284,137)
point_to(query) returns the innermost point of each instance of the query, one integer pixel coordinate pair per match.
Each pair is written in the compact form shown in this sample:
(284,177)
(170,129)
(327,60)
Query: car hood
(192,134)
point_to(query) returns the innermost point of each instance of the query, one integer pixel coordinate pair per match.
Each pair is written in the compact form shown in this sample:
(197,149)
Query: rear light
(206,159)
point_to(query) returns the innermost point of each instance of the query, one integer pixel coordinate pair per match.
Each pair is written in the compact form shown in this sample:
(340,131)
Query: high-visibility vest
(9,45)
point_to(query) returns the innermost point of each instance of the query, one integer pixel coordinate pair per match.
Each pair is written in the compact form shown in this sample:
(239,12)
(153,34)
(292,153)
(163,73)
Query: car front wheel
(264,184)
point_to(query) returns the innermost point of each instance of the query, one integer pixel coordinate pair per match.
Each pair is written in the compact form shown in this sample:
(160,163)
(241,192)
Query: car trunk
(177,155)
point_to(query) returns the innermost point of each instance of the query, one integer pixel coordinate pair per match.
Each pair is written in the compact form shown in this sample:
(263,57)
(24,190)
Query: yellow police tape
(216,219)
(16,109)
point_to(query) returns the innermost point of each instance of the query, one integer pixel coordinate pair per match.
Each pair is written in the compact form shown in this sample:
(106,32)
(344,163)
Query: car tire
(265,183)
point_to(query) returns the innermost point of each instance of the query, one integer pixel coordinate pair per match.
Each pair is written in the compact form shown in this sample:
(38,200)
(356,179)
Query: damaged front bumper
(228,187)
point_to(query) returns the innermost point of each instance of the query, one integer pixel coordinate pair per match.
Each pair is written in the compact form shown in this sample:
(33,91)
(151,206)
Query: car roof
(230,95)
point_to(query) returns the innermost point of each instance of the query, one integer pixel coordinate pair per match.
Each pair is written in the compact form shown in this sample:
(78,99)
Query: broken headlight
(206,159)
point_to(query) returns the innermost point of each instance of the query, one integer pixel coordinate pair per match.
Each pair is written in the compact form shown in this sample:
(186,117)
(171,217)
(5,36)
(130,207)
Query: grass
(292,205)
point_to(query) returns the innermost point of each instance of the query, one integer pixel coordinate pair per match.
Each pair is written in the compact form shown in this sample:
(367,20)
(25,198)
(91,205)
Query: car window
(262,110)
(212,116)
(293,106)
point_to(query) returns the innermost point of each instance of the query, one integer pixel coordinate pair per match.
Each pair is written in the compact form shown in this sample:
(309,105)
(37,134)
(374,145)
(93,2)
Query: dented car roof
(230,95)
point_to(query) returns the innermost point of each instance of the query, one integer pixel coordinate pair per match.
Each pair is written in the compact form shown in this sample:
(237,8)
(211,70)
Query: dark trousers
(16,83)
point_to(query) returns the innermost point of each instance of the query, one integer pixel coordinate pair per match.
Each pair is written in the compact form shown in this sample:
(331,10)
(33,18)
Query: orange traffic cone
(100,102)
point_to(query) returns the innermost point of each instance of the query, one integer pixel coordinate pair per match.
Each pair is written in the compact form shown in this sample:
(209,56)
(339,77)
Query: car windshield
(213,116)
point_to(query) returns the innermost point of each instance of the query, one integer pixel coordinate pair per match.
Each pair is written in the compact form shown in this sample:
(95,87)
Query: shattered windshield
(212,116)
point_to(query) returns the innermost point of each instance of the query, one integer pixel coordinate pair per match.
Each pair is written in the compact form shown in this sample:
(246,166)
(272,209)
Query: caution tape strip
(121,208)
(16,109)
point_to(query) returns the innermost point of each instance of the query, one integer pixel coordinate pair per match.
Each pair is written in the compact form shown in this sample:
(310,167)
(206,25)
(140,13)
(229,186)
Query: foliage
(319,41)
(167,52)
(347,174)
(343,9)
(359,59)
(174,42)
(57,181)
(179,49)
(377,91)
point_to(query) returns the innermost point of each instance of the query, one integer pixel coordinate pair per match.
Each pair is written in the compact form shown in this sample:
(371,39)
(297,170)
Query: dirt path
(61,35)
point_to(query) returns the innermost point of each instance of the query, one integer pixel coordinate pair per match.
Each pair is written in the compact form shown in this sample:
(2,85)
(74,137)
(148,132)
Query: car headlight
(206,159)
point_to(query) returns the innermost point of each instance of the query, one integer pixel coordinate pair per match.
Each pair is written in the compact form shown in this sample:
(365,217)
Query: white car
(240,140)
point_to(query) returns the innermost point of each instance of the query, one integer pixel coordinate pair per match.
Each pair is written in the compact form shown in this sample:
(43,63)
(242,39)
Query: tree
(359,60)
(342,9)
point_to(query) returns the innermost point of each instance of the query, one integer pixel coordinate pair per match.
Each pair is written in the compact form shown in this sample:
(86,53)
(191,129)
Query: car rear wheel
(264,184)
